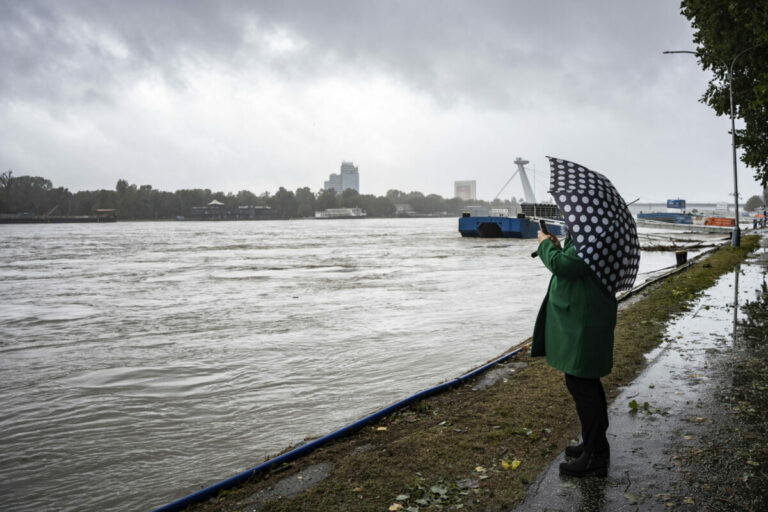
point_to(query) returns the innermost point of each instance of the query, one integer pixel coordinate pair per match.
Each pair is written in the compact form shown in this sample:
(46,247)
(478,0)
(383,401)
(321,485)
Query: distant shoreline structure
(101,215)
(340,213)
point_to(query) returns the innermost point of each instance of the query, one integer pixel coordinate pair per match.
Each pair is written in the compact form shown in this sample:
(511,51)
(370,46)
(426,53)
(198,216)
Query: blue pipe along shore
(229,483)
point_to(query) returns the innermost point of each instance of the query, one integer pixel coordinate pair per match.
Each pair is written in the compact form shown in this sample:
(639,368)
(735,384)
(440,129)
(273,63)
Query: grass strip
(476,450)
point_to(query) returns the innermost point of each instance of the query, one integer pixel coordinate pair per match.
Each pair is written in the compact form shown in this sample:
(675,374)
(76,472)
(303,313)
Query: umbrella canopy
(599,221)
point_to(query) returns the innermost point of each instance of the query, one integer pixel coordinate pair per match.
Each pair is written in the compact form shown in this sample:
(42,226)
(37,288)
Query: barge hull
(503,227)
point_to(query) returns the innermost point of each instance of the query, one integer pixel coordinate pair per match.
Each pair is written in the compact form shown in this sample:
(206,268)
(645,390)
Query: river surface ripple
(140,362)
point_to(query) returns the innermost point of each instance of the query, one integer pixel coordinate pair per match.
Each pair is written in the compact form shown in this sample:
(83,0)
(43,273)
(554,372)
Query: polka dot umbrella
(598,219)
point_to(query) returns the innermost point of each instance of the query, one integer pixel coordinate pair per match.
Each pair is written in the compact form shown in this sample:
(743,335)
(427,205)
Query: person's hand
(553,238)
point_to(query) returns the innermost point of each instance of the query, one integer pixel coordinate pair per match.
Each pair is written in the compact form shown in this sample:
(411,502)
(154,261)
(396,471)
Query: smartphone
(543,227)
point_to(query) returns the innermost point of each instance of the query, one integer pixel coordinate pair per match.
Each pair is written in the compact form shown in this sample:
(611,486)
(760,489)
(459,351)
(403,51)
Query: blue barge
(503,227)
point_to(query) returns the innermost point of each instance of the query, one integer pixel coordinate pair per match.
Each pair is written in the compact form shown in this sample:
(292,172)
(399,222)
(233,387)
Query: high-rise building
(348,177)
(466,190)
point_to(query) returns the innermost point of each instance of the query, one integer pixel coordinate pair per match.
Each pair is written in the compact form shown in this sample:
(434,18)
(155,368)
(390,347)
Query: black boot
(574,450)
(588,464)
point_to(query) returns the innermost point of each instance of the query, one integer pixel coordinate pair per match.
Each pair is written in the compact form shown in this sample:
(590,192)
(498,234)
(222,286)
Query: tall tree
(327,198)
(753,203)
(724,29)
(306,202)
(284,203)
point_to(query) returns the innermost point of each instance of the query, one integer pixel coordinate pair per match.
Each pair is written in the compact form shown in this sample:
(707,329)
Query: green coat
(574,328)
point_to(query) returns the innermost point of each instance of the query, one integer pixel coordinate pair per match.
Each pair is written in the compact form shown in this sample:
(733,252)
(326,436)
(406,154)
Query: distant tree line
(38,196)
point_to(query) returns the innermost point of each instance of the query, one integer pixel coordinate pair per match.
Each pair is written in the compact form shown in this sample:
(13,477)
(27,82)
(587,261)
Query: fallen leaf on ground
(395,507)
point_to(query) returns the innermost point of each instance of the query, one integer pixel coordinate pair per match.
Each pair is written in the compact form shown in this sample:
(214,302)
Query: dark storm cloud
(492,53)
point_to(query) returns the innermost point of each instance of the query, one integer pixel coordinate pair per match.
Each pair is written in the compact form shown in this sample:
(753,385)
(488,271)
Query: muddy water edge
(473,448)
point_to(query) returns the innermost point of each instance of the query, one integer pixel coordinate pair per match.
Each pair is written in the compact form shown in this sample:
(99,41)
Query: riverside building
(466,190)
(348,177)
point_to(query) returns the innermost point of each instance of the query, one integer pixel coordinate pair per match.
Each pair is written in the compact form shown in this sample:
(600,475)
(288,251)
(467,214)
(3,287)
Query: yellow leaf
(357,489)
(395,507)
(381,429)
(480,469)
(515,464)
(753,463)
(687,438)
(689,501)
(505,464)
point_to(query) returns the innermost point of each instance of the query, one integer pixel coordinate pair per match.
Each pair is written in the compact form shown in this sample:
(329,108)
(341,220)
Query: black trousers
(592,408)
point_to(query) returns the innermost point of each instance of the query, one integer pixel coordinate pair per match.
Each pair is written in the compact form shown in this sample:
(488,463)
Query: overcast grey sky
(255,95)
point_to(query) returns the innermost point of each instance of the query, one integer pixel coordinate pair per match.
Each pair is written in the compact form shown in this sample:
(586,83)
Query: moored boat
(505,227)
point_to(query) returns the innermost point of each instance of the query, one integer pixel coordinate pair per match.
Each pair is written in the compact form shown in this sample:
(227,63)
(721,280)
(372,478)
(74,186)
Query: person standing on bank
(574,330)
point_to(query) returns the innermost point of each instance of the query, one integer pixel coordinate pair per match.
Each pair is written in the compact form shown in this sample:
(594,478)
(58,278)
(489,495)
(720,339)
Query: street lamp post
(736,236)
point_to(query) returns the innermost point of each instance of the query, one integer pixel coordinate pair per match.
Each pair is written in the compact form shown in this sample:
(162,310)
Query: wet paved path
(674,405)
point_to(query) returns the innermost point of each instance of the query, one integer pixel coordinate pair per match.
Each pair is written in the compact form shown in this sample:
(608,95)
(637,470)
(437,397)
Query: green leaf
(439,489)
(633,405)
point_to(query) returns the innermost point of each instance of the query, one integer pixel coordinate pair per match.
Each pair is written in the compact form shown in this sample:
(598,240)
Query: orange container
(719,221)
